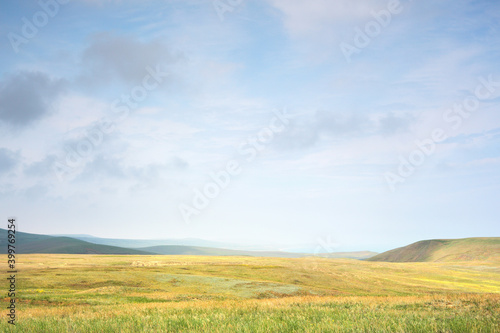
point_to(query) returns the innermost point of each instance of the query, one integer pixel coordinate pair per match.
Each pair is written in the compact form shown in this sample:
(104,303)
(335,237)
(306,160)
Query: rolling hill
(435,250)
(74,246)
(33,243)
(141,243)
(210,251)
(444,250)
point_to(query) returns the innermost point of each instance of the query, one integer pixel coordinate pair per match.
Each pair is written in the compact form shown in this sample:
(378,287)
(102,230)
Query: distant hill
(349,255)
(211,251)
(21,237)
(33,243)
(140,243)
(195,246)
(444,250)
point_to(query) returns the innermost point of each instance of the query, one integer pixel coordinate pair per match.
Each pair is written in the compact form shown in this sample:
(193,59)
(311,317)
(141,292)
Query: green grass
(105,293)
(460,313)
(445,250)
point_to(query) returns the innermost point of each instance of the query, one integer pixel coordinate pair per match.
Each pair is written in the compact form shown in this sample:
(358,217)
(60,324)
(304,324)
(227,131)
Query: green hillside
(140,243)
(210,251)
(21,237)
(194,246)
(444,250)
(33,243)
(74,246)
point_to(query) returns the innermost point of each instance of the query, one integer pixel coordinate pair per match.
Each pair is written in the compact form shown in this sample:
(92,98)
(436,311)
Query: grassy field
(445,250)
(104,293)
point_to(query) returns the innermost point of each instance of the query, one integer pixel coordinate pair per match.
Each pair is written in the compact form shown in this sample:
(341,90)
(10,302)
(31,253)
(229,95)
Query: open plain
(128,293)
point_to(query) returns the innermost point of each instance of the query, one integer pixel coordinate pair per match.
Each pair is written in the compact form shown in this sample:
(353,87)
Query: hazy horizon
(320,246)
(340,125)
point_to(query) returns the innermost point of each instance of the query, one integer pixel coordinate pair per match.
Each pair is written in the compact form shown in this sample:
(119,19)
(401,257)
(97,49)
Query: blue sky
(114,114)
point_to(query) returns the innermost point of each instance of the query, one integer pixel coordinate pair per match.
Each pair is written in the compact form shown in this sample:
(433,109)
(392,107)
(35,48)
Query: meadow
(128,293)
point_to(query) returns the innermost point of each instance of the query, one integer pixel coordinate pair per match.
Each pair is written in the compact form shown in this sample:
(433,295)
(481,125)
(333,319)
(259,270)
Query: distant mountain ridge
(210,251)
(140,243)
(434,250)
(444,250)
(34,243)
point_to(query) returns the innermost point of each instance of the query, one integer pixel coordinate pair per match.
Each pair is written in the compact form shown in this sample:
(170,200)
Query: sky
(285,124)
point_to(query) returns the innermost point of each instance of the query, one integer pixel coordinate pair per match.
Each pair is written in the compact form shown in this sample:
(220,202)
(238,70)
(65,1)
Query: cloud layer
(82,96)
(26,97)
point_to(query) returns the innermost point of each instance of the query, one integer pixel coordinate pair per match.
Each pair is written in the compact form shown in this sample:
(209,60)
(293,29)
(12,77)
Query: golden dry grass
(100,293)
